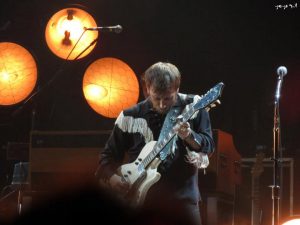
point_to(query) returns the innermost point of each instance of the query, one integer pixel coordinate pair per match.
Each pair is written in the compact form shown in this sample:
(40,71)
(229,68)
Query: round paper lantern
(18,73)
(64,30)
(109,86)
(294,220)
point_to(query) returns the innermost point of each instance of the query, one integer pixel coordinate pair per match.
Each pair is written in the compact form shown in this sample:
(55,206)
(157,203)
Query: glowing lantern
(109,86)
(18,73)
(65,28)
(294,220)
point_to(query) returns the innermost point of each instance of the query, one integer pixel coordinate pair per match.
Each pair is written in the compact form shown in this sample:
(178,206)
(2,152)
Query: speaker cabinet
(218,184)
(59,158)
(224,170)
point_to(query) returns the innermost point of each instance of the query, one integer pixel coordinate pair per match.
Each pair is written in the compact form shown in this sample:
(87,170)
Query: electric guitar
(142,173)
(256,171)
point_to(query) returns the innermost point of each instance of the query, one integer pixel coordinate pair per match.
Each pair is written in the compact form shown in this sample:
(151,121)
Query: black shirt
(139,125)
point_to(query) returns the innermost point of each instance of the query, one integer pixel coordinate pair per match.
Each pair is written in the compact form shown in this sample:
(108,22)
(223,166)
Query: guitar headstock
(211,98)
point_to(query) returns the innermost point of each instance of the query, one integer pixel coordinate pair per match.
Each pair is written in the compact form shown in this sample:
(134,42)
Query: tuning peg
(209,107)
(217,102)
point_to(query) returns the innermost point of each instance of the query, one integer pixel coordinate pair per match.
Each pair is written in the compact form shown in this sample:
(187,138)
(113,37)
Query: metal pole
(276,178)
(281,71)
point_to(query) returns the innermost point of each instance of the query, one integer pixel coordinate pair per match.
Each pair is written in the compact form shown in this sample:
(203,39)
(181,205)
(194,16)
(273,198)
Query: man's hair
(162,76)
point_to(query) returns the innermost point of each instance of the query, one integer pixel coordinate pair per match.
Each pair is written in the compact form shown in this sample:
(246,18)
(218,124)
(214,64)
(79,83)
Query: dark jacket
(140,124)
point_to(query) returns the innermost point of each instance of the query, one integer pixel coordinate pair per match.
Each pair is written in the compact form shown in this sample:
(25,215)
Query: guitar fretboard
(210,97)
(159,146)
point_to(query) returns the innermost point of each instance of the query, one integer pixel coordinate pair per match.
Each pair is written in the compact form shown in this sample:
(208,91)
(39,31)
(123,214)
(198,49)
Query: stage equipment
(218,185)
(253,194)
(21,181)
(17,151)
(64,30)
(256,171)
(64,158)
(277,152)
(109,86)
(18,73)
(115,29)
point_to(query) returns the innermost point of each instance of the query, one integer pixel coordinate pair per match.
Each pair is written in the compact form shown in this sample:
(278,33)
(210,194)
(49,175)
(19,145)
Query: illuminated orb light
(294,220)
(18,73)
(109,86)
(64,29)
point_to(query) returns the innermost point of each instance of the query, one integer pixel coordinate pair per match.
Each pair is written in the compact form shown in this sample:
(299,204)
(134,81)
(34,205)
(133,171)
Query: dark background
(240,43)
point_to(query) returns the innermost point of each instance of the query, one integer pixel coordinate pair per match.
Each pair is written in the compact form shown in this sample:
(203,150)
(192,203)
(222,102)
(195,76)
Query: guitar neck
(257,170)
(256,207)
(210,97)
(159,146)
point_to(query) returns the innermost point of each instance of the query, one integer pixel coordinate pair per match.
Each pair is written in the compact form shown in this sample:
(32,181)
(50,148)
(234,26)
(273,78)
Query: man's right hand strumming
(118,184)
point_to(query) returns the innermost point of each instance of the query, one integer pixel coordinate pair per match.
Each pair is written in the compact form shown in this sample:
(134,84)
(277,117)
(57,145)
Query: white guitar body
(139,178)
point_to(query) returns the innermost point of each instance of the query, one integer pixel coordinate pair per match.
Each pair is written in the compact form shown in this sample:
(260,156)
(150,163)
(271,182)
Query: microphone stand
(59,71)
(276,152)
(91,44)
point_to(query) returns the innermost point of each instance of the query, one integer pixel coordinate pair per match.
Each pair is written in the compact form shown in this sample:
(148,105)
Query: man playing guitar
(163,150)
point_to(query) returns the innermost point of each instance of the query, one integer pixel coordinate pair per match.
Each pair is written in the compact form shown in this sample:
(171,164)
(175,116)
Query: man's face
(162,102)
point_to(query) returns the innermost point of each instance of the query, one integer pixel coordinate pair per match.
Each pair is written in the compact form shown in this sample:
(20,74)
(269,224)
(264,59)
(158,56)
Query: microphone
(281,71)
(116,29)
